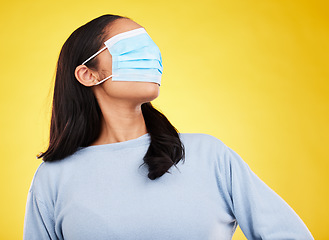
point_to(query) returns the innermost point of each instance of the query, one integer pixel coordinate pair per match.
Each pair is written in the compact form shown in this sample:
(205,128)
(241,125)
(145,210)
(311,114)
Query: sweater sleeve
(260,212)
(38,223)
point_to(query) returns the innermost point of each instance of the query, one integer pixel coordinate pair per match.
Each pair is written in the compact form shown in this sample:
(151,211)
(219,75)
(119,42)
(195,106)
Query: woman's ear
(85,76)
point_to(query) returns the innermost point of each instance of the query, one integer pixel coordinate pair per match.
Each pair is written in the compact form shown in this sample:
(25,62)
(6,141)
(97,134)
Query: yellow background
(252,73)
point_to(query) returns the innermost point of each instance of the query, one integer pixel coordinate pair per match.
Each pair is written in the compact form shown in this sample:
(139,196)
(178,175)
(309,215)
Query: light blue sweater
(100,193)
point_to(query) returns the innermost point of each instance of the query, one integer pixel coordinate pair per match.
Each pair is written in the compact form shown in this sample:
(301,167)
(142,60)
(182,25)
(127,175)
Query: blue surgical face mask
(135,57)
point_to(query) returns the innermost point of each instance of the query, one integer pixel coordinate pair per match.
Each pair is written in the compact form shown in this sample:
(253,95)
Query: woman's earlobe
(85,76)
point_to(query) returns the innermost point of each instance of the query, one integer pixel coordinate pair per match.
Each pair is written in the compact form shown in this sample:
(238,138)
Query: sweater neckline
(140,141)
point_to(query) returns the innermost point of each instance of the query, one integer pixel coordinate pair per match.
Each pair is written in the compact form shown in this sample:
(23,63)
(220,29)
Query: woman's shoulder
(51,173)
(202,141)
(201,138)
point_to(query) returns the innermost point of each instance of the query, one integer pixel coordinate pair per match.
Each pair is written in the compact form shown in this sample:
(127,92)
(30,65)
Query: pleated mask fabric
(135,57)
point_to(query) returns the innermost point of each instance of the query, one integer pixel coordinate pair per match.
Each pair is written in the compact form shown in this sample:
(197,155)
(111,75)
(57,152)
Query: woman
(104,172)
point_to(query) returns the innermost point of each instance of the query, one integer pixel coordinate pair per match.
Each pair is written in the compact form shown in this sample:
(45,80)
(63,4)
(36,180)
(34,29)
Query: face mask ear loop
(94,55)
(104,80)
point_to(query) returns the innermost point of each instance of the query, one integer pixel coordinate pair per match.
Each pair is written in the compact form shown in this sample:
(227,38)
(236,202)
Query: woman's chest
(127,205)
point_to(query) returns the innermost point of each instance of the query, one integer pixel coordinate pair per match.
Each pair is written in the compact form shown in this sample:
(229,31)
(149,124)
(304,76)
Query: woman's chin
(149,91)
(136,91)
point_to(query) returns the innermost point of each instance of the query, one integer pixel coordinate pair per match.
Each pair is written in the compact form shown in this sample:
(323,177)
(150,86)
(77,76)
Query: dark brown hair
(76,115)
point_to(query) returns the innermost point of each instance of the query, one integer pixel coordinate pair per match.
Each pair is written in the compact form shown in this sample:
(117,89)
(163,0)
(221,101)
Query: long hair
(76,115)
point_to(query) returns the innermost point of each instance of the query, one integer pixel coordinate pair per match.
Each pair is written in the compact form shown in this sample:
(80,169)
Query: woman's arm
(260,212)
(38,223)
